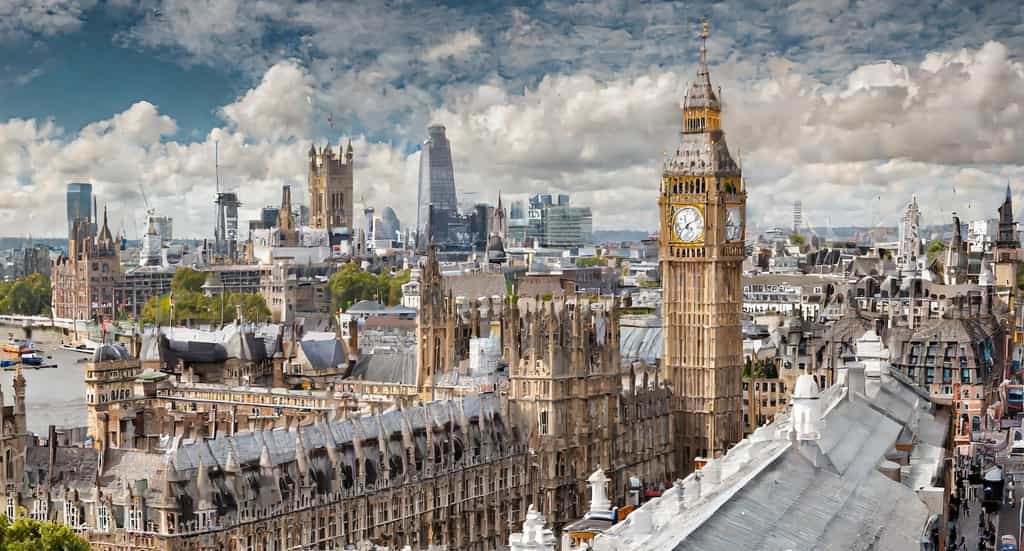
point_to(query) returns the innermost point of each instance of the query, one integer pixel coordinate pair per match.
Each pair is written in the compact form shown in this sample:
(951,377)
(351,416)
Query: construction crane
(145,200)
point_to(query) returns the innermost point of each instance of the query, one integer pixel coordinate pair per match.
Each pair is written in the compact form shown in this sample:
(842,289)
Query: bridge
(43,321)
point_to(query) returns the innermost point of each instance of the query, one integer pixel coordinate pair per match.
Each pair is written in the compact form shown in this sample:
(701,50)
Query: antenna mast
(216,163)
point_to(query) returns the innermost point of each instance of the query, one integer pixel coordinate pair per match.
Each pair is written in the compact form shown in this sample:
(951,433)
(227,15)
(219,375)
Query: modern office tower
(226,230)
(391,221)
(436,178)
(563,199)
(516,210)
(331,187)
(269,215)
(798,216)
(368,218)
(565,226)
(79,205)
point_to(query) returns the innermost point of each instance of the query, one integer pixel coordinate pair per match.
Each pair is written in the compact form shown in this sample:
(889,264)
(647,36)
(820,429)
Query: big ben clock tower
(703,217)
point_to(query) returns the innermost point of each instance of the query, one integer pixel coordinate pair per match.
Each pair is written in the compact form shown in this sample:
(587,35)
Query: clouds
(279,107)
(24,19)
(833,104)
(458,45)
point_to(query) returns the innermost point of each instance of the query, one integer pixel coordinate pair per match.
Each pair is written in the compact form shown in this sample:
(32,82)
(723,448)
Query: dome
(806,387)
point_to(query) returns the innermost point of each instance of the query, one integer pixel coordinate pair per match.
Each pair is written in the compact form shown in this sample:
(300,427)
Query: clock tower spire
(703,216)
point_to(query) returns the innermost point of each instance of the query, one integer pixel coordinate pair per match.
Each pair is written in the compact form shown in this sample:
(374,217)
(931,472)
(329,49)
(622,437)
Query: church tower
(331,187)
(1007,250)
(703,216)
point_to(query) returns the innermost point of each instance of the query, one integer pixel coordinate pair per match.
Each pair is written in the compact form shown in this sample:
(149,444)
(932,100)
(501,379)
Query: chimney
(51,445)
(855,380)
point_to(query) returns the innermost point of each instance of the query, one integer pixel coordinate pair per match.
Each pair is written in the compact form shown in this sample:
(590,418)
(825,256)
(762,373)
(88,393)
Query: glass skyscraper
(436,177)
(79,203)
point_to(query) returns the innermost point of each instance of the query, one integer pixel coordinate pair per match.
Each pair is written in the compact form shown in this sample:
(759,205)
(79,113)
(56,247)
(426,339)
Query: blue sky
(823,100)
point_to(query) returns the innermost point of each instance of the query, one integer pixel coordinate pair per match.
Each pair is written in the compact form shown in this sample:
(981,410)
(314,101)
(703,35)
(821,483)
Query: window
(543,422)
(134,523)
(10,508)
(102,518)
(71,513)
(39,509)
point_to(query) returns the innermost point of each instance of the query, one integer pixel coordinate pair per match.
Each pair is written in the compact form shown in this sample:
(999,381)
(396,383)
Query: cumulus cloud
(459,44)
(279,107)
(21,19)
(570,97)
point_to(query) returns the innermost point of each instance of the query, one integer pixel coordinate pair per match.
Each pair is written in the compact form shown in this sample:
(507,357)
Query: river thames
(52,396)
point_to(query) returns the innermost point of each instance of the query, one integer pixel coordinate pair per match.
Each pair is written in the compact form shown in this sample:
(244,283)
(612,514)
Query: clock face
(733,224)
(688,224)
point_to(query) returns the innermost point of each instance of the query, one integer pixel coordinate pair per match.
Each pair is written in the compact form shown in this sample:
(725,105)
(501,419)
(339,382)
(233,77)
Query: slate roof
(777,494)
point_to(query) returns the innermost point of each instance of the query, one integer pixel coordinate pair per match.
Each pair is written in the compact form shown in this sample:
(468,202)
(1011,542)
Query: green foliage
(187,279)
(349,285)
(1020,279)
(31,535)
(760,369)
(797,239)
(197,308)
(589,261)
(934,250)
(27,296)
(395,287)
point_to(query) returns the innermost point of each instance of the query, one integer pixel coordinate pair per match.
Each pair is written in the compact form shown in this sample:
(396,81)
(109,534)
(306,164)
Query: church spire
(704,44)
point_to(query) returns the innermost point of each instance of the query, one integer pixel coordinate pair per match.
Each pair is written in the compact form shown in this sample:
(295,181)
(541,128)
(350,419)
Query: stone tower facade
(703,217)
(13,434)
(83,281)
(435,330)
(330,187)
(1007,250)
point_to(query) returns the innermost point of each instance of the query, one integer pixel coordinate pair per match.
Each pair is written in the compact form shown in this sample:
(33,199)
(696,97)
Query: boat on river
(31,359)
(18,346)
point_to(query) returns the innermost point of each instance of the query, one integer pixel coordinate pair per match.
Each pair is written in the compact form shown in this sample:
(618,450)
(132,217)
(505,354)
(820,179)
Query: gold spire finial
(704,28)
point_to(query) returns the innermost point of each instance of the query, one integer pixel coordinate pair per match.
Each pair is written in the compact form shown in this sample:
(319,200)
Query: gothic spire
(701,94)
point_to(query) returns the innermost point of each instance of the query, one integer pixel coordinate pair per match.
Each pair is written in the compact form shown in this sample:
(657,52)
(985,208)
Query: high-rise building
(436,178)
(226,230)
(268,216)
(331,187)
(79,204)
(798,216)
(393,224)
(703,213)
(516,210)
(565,226)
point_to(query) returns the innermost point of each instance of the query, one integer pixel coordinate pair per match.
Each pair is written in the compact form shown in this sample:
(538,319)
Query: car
(1008,543)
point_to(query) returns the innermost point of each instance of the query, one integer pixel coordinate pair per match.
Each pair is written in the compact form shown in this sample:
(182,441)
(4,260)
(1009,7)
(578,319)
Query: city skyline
(827,103)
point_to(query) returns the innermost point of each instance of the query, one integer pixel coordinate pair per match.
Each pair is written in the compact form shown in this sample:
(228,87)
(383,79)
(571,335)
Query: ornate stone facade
(330,187)
(85,279)
(703,216)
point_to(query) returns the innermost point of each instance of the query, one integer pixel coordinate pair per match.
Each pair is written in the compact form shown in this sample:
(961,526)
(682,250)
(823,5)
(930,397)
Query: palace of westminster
(184,451)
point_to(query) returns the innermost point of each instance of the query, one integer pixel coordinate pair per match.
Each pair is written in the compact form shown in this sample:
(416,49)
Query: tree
(395,287)
(187,279)
(797,239)
(350,285)
(26,534)
(934,251)
(589,261)
(28,296)
(193,307)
